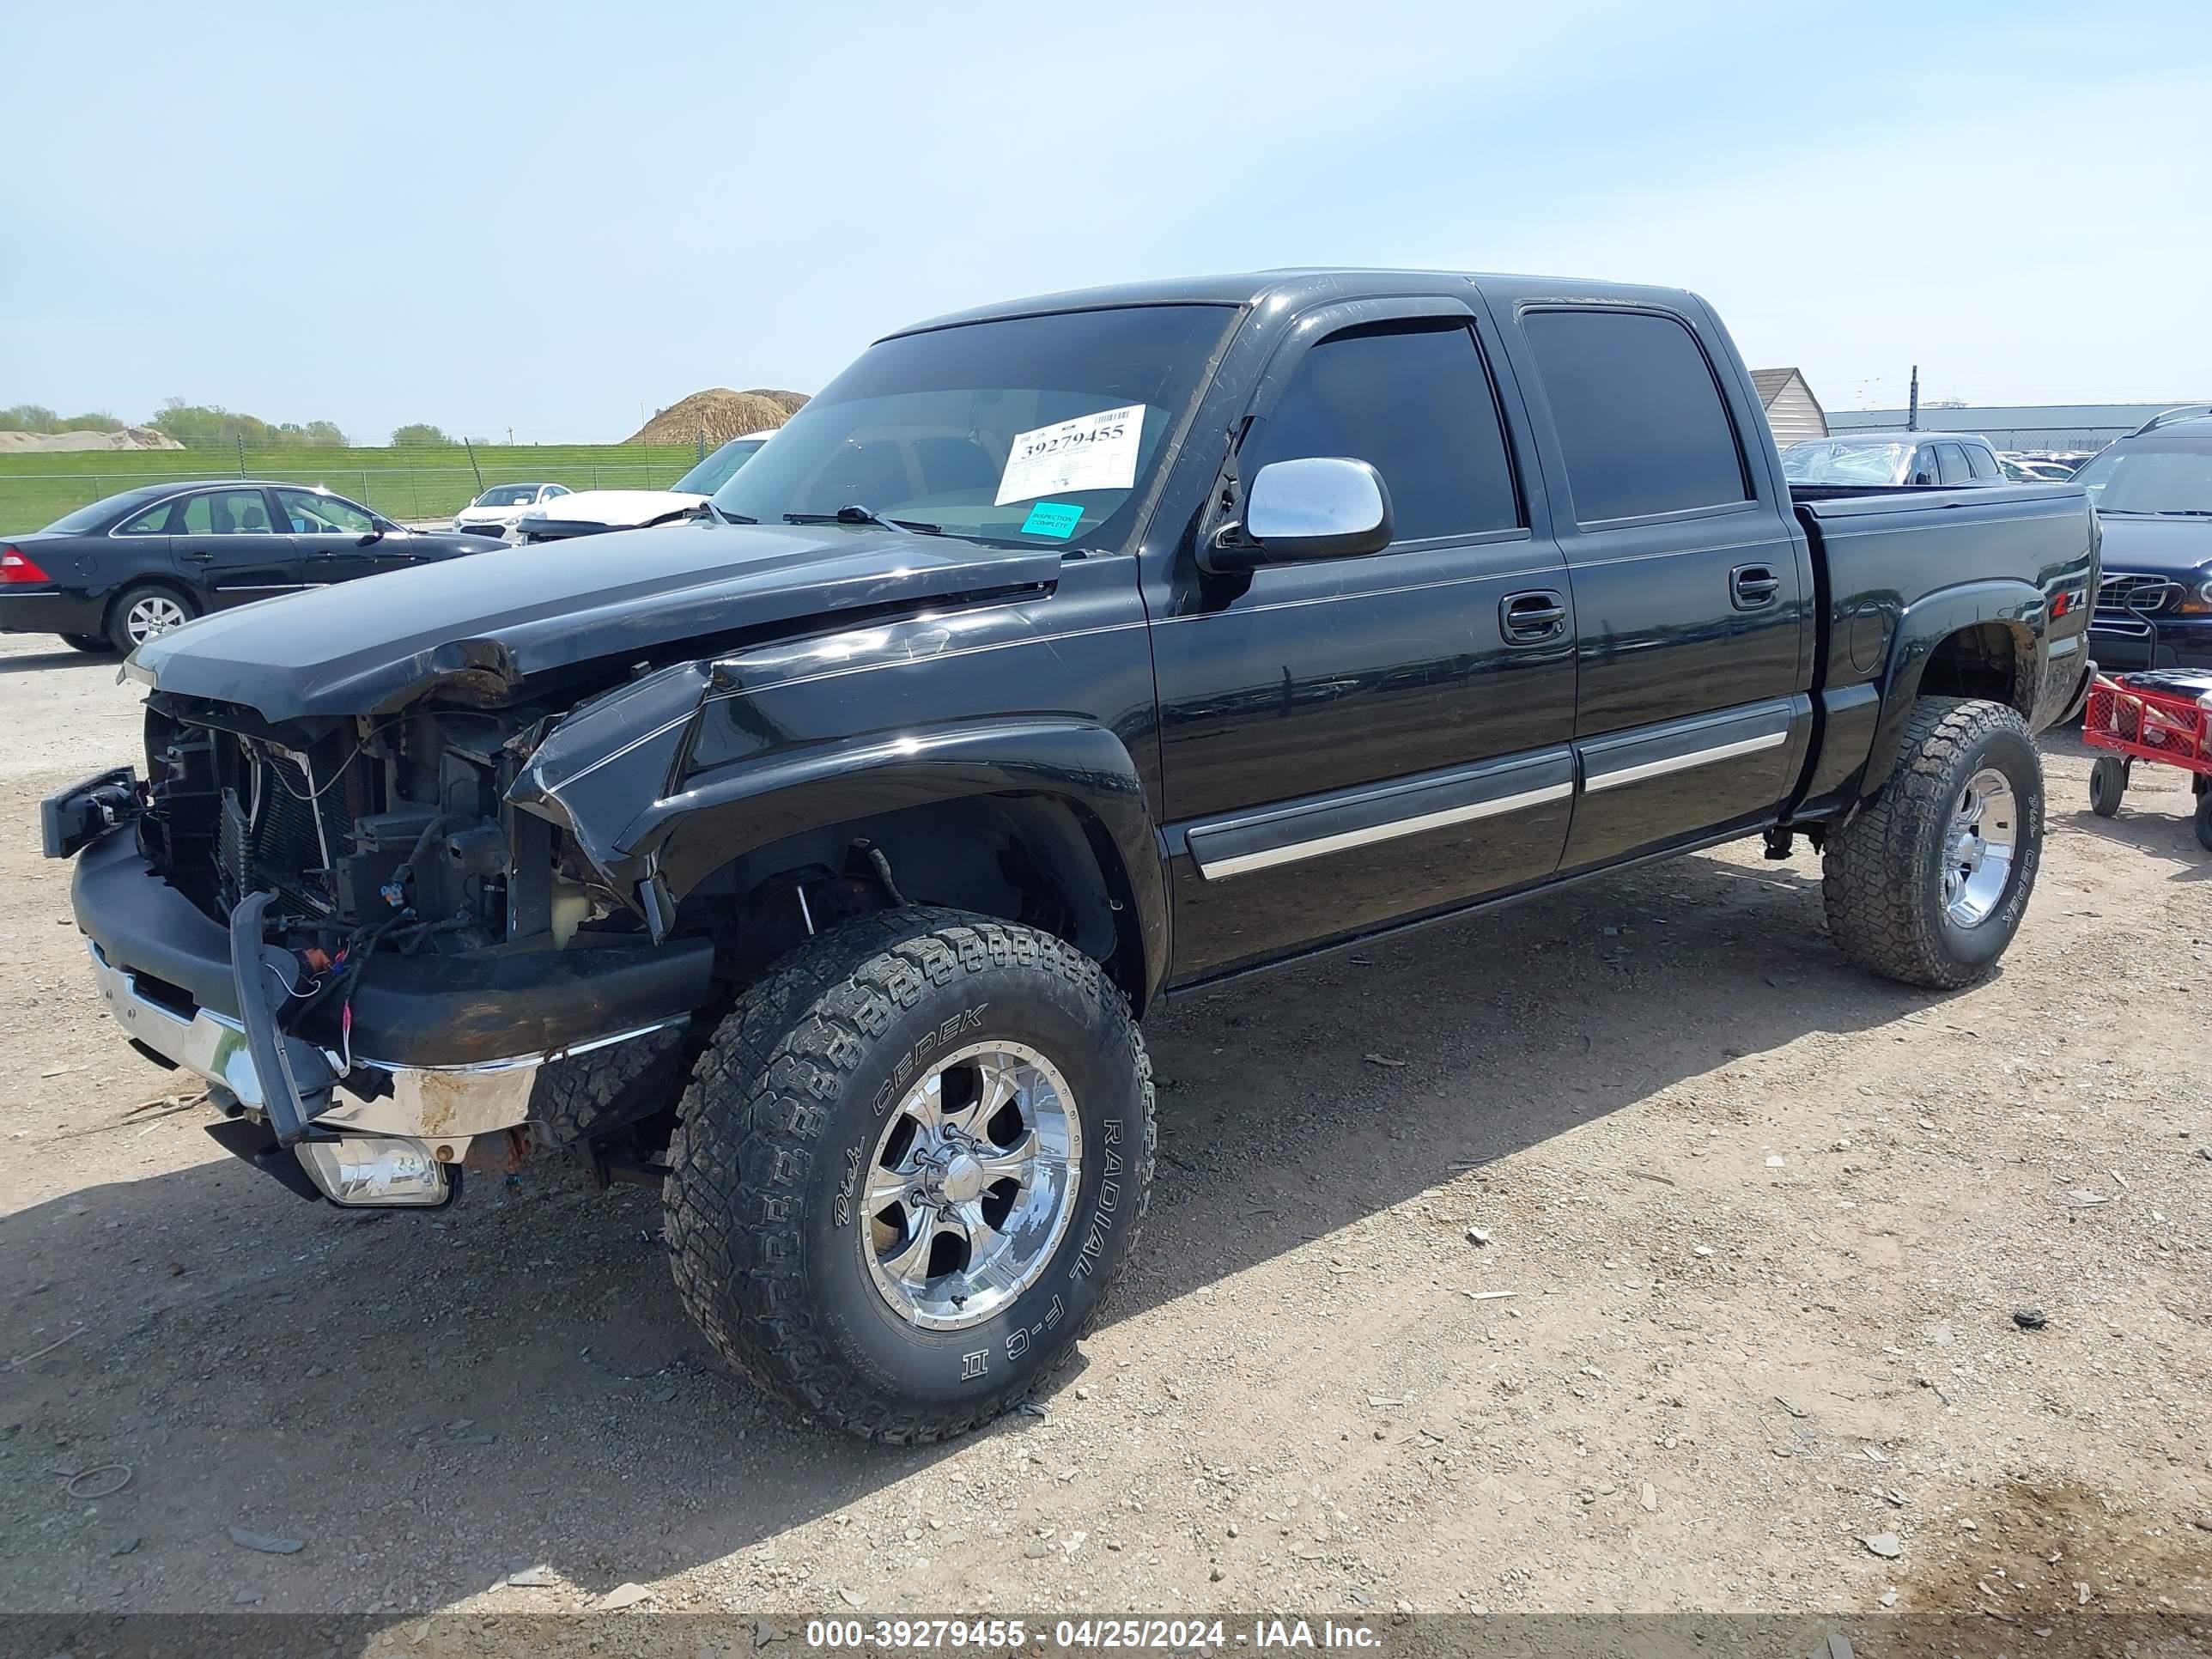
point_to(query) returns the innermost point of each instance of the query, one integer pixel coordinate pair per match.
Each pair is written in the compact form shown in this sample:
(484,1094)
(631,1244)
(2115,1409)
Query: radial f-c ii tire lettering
(909,1162)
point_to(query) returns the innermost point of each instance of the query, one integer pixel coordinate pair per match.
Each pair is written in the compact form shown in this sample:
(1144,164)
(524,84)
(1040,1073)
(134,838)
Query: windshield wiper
(720,517)
(853,513)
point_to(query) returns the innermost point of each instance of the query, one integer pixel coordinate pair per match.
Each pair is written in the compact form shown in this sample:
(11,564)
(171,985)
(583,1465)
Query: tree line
(210,426)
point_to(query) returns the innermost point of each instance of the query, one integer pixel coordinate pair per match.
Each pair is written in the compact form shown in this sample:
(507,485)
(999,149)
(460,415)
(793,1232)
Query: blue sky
(548,217)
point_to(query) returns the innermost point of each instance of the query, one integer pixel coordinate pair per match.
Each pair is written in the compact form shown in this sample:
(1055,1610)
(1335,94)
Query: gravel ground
(1757,1230)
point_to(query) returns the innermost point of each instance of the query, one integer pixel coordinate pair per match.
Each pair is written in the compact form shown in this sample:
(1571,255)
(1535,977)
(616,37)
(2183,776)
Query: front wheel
(1928,884)
(2204,819)
(909,1163)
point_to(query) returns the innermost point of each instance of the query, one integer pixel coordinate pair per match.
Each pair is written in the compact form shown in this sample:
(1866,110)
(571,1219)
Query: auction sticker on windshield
(1092,451)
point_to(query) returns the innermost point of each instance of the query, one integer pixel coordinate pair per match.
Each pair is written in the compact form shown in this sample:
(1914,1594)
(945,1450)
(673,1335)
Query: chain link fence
(34,491)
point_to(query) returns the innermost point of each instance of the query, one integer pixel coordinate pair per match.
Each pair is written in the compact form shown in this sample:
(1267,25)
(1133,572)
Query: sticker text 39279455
(1092,451)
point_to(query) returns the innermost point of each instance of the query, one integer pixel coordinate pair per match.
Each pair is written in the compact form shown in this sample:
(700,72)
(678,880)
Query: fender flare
(698,824)
(1923,626)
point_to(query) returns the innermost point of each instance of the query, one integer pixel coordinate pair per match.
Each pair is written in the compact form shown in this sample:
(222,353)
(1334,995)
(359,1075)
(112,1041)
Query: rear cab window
(1641,422)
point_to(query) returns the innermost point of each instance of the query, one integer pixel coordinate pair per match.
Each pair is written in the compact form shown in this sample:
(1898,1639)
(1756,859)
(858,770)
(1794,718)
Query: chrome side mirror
(1322,507)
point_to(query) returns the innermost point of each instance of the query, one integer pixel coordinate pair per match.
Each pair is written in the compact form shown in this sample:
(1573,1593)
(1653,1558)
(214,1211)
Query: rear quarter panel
(1902,571)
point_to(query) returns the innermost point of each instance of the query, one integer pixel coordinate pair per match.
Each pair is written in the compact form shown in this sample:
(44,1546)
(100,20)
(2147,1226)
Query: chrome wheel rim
(151,617)
(1978,847)
(972,1185)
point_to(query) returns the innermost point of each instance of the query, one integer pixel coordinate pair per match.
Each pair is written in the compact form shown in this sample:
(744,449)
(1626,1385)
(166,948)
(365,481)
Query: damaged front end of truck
(407,905)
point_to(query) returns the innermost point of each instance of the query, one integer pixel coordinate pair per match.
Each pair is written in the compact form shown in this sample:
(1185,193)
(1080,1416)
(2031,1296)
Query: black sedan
(113,576)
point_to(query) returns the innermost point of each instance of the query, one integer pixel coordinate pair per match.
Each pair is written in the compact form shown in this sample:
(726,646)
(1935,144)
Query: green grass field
(403,484)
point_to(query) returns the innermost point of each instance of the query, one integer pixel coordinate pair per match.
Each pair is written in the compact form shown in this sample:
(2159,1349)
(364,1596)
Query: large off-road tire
(1929,882)
(840,1168)
(2204,819)
(145,612)
(583,1095)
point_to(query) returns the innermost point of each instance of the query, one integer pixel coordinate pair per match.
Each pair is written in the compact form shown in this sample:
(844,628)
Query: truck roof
(1297,288)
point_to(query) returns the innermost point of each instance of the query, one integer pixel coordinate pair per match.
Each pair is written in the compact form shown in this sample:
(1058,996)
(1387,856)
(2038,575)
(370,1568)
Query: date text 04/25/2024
(1086,1635)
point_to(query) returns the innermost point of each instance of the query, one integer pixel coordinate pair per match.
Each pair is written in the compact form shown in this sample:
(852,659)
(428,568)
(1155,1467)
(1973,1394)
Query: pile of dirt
(719,415)
(131,437)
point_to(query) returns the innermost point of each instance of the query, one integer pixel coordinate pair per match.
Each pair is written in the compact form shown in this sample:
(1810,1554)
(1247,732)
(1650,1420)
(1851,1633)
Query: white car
(588,511)
(493,512)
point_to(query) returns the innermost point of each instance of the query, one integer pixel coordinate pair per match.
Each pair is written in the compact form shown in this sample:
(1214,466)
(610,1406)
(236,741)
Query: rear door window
(1951,466)
(1641,422)
(227,513)
(1985,464)
(1414,401)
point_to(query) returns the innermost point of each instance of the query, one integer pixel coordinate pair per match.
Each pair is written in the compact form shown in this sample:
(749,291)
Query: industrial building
(2020,425)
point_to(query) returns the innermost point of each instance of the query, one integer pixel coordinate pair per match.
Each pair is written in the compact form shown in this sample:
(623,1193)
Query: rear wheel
(2204,819)
(909,1163)
(2108,781)
(1929,882)
(96,643)
(146,613)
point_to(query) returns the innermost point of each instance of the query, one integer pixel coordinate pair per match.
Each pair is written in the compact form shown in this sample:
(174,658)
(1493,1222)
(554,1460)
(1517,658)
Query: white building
(1791,409)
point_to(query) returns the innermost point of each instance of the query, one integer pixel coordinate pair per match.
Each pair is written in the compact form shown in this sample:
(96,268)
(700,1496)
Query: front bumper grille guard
(290,1073)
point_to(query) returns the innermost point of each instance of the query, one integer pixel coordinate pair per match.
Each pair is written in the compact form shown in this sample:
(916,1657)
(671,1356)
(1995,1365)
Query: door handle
(201,558)
(1751,586)
(1532,619)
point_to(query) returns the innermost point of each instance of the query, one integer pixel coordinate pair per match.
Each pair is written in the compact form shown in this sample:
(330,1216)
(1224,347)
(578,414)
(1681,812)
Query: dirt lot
(1758,1225)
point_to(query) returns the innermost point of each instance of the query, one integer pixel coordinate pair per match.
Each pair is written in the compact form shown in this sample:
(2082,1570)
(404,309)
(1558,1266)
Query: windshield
(2171,481)
(1832,461)
(505,495)
(1028,431)
(711,474)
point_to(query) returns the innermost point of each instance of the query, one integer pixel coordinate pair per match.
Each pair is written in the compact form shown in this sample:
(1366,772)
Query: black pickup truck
(815,860)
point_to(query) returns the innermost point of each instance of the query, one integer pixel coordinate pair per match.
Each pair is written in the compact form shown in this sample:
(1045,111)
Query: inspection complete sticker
(1092,451)
(1057,519)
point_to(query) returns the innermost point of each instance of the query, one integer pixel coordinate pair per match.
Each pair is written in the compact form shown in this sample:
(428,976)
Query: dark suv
(2153,492)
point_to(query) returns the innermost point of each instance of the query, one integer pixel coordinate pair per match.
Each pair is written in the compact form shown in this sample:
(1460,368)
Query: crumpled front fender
(607,762)
(619,776)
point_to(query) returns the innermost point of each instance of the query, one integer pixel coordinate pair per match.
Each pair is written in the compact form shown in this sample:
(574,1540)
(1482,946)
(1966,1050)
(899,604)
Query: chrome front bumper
(445,1107)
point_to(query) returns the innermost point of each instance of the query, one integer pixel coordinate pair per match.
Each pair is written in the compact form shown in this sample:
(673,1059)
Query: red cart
(2159,715)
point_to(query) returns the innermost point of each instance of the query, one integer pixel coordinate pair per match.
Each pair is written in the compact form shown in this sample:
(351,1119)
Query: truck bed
(1885,537)
(1924,562)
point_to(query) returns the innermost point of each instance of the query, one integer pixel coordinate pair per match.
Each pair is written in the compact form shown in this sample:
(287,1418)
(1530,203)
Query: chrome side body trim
(1219,869)
(1637,774)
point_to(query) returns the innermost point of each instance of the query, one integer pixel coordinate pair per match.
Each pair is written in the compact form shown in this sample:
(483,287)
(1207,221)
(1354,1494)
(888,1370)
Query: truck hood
(485,624)
(2155,547)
